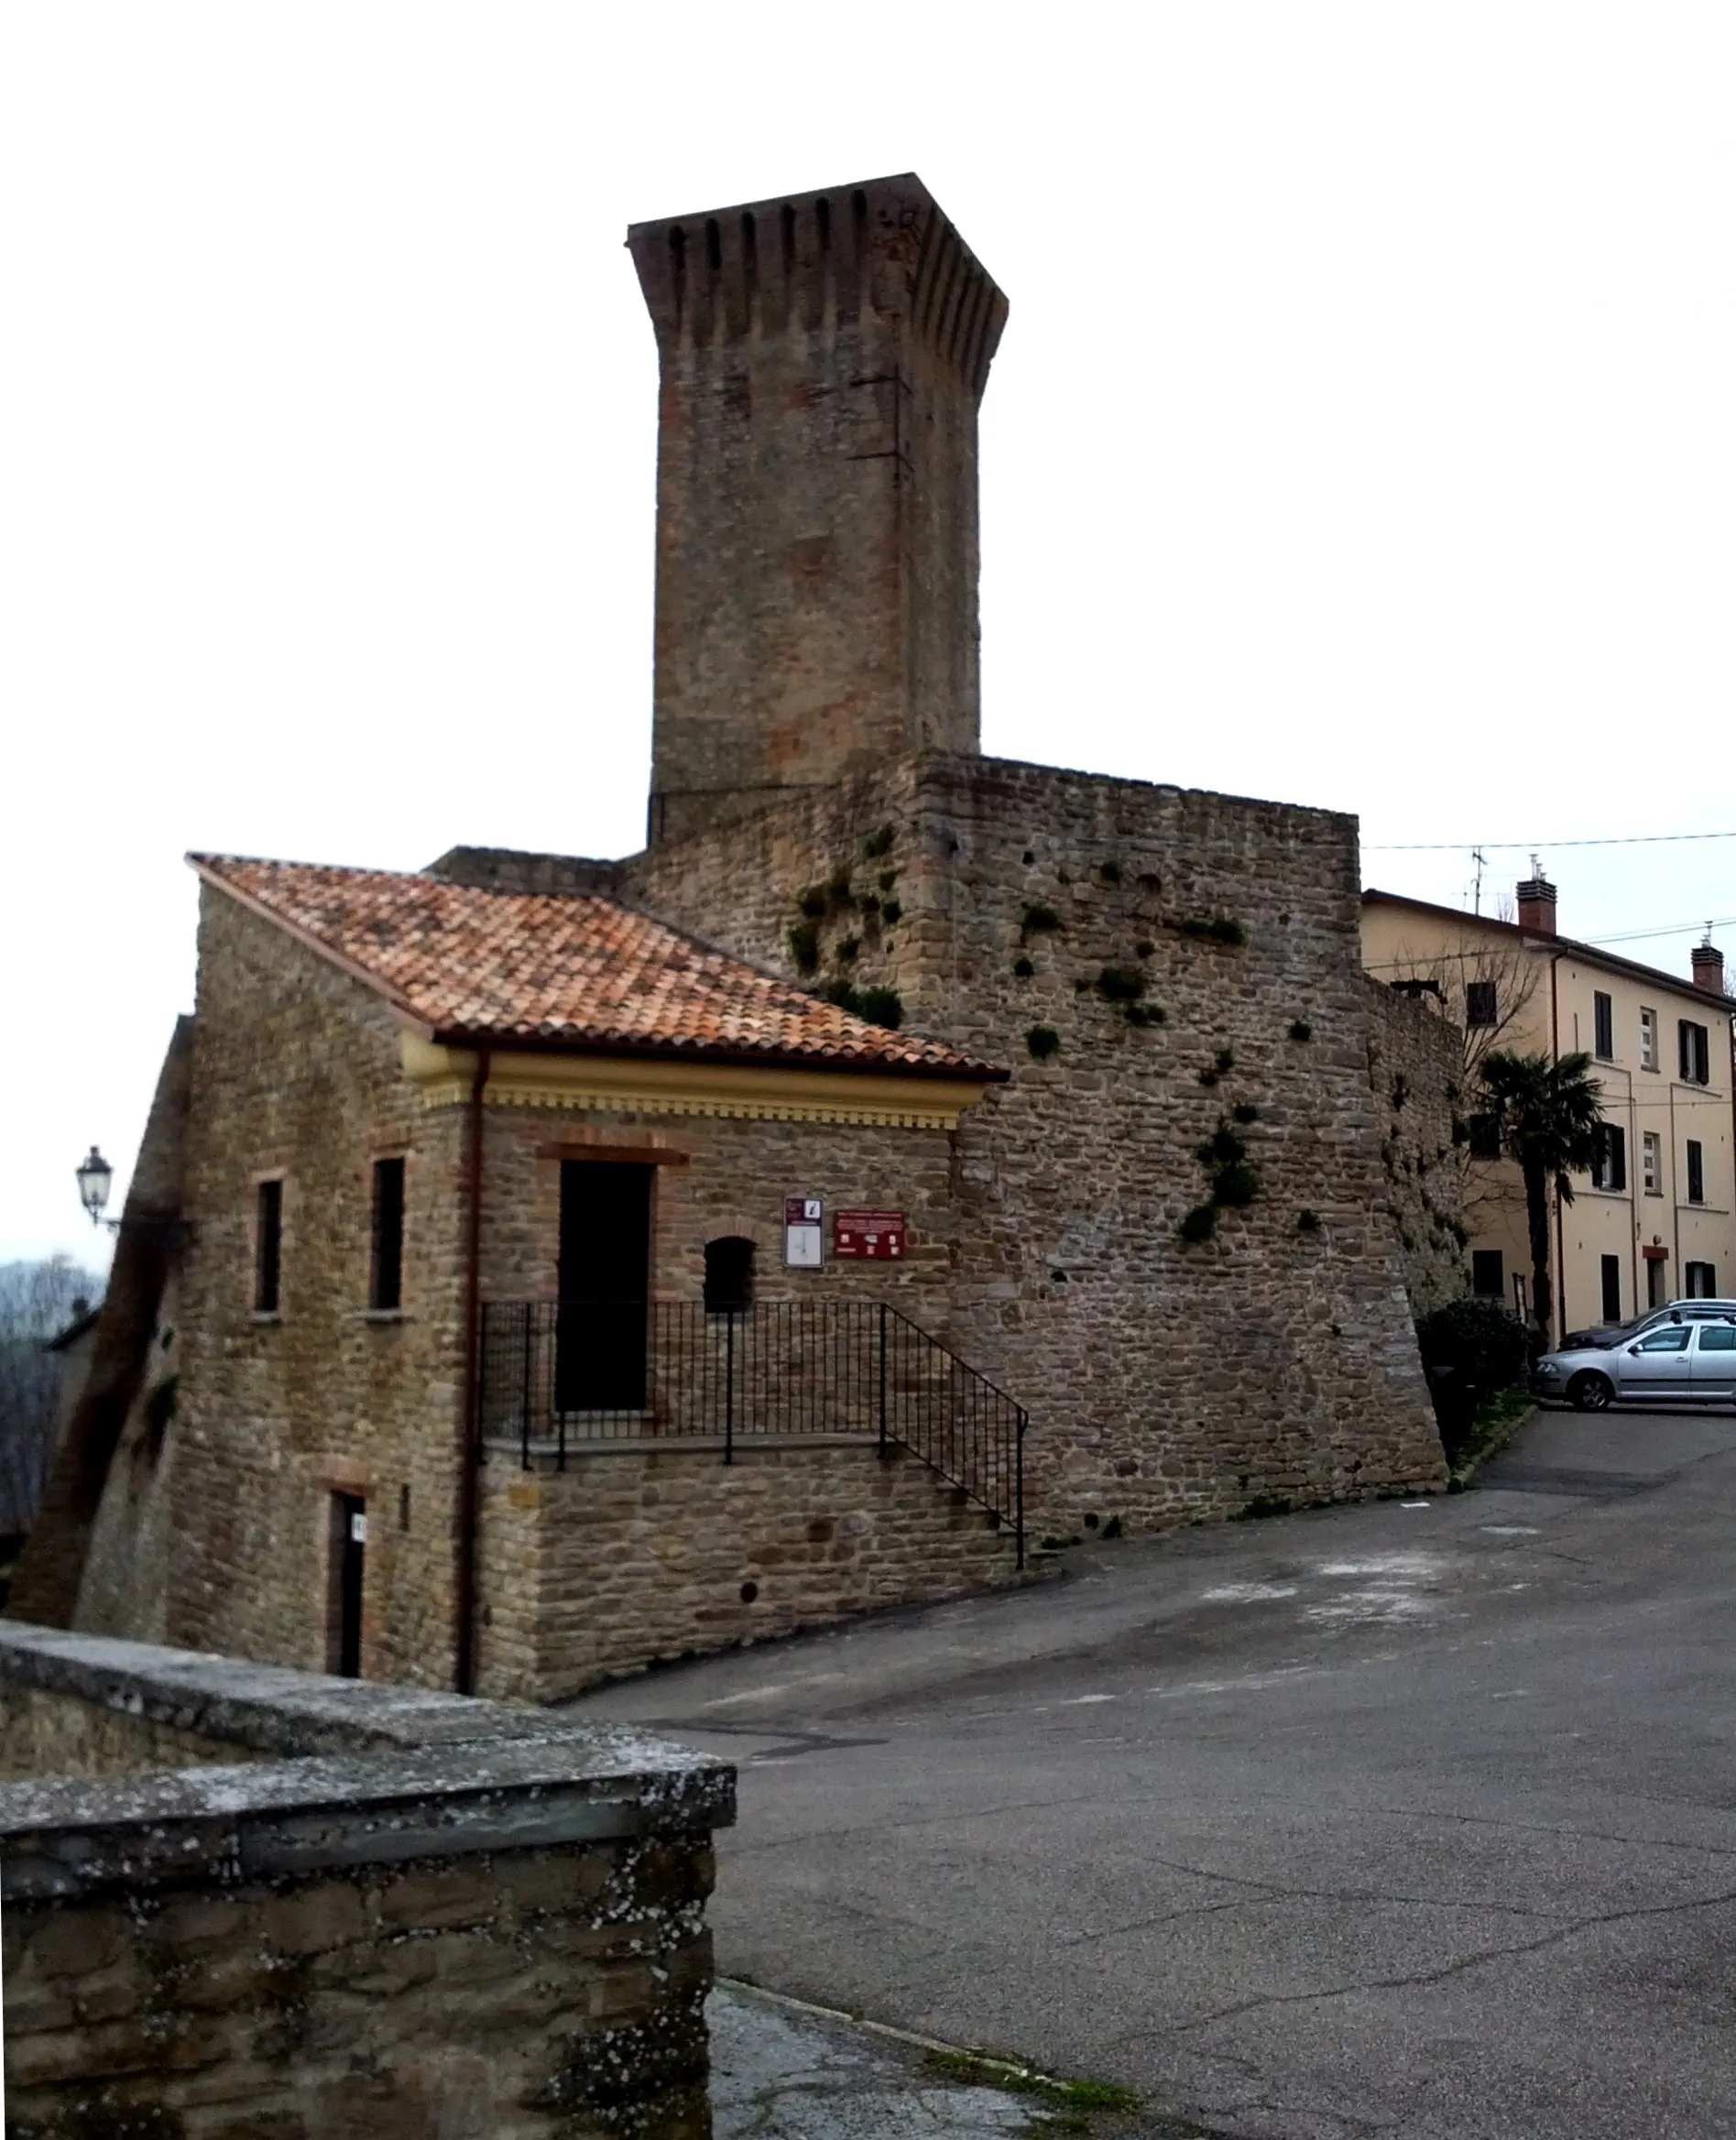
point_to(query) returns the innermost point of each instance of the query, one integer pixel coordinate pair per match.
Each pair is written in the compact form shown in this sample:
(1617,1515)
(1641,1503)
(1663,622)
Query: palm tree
(1550,1119)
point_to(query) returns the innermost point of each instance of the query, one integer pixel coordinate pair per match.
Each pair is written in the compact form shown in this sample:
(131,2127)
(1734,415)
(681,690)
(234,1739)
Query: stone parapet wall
(632,1556)
(495,1928)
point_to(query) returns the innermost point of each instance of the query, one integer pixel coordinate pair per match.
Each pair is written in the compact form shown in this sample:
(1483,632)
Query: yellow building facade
(1657,1220)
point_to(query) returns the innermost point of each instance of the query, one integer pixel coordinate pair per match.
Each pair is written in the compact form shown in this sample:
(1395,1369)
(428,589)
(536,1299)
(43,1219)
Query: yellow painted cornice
(643,1086)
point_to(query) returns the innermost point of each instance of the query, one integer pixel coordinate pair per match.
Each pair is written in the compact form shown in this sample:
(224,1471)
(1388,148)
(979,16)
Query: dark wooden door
(604,1285)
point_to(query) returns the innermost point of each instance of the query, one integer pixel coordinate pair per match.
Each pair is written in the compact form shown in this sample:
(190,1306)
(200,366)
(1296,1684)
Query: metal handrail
(553,1372)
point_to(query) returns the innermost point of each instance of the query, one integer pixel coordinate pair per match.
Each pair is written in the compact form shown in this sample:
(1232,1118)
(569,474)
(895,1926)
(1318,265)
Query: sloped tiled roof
(536,970)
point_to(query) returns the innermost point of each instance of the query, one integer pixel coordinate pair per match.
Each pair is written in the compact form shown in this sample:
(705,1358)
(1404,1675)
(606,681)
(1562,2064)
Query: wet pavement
(1409,1820)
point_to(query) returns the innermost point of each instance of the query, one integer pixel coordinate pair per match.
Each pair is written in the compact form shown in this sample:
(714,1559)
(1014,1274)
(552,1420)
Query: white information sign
(804,1233)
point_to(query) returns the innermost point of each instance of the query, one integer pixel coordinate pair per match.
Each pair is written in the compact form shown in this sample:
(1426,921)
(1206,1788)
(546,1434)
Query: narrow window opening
(1603,1024)
(267,1261)
(1609,1169)
(750,245)
(1696,1172)
(728,1275)
(1611,1274)
(714,244)
(823,221)
(386,1272)
(787,220)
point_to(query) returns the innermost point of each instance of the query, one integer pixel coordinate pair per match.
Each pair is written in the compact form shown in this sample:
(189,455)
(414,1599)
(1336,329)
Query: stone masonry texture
(296,1074)
(631,1555)
(1166,1379)
(497,1931)
(1416,1067)
(821,358)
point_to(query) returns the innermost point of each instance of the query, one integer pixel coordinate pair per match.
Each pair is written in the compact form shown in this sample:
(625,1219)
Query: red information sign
(876,1234)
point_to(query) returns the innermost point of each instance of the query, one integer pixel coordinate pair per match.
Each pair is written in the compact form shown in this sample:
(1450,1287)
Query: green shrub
(889,911)
(1147,1014)
(849,950)
(1023,968)
(839,894)
(1308,1221)
(1144,947)
(1198,1224)
(881,1006)
(1470,1350)
(1109,871)
(878,844)
(1300,1029)
(805,946)
(1220,929)
(1040,919)
(1234,1184)
(1120,984)
(1245,1111)
(1222,1148)
(1043,1041)
(811,902)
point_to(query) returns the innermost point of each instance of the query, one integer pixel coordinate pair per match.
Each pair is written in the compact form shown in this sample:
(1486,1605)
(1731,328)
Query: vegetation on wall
(1043,1041)
(1220,929)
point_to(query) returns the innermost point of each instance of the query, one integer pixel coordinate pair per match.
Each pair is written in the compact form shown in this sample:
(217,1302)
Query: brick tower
(821,358)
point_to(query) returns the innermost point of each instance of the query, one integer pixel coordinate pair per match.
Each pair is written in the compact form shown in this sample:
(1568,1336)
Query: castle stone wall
(632,1556)
(1416,1067)
(297,1072)
(1166,1379)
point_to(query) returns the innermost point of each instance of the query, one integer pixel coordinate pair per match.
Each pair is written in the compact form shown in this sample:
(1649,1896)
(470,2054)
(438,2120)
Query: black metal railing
(555,1374)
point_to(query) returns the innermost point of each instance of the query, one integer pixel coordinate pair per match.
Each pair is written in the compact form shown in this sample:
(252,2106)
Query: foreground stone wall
(496,1928)
(1164,968)
(632,1556)
(1416,1067)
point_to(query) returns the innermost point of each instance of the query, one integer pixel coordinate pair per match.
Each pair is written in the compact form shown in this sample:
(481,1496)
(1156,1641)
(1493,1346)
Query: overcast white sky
(1364,434)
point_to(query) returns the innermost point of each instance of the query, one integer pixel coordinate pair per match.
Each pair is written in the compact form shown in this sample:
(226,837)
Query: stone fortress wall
(1151,961)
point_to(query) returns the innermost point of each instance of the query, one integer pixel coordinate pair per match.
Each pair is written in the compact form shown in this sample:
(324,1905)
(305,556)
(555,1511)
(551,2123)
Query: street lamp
(94,1175)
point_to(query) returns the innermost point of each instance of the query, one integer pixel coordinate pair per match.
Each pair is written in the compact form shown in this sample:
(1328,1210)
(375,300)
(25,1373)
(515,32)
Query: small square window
(1480,1003)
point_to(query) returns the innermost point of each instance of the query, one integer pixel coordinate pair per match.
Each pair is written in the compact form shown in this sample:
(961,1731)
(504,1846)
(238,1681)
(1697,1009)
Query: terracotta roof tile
(577,972)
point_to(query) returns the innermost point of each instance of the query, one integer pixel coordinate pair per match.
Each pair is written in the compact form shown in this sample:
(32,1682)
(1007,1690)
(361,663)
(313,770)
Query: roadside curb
(1462,1475)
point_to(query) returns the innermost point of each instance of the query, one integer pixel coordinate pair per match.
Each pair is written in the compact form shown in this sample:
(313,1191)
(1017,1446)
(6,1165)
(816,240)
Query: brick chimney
(821,358)
(1537,904)
(1709,967)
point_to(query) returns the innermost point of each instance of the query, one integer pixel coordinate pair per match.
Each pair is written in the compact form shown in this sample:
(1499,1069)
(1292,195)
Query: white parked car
(1686,1359)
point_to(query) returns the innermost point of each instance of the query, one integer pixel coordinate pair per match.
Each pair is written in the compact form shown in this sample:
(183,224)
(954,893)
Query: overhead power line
(1641,839)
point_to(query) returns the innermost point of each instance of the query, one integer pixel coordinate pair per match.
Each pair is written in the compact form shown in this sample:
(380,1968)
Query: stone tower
(821,358)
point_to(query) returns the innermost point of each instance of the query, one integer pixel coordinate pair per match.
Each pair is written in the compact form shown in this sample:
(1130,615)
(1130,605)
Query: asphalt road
(1417,1821)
